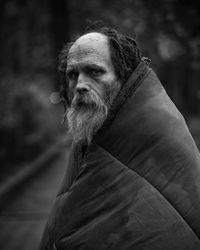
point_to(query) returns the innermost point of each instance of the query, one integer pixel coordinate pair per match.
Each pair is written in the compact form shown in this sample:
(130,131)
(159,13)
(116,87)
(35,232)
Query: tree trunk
(60,30)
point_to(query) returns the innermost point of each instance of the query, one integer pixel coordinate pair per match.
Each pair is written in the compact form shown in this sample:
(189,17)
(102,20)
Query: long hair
(125,56)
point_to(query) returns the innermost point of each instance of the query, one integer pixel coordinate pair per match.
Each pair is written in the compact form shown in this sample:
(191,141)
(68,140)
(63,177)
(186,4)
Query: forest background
(33,33)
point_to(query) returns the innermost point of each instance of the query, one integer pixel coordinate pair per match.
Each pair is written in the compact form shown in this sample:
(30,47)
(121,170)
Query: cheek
(109,91)
(112,84)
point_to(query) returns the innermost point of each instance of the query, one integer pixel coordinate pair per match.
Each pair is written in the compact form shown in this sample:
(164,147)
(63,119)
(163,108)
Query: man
(133,179)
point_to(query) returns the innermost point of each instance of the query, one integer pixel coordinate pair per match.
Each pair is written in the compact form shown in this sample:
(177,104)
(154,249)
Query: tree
(60,29)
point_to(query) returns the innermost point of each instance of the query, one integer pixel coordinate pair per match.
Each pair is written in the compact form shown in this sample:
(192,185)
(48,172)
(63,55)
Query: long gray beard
(86,116)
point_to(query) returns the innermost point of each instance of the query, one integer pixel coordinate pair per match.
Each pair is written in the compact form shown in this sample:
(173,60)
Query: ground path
(23,218)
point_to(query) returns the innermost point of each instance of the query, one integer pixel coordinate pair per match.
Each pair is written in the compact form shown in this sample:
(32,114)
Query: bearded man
(133,178)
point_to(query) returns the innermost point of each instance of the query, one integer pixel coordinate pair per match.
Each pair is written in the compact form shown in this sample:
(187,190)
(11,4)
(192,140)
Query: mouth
(81,105)
(89,101)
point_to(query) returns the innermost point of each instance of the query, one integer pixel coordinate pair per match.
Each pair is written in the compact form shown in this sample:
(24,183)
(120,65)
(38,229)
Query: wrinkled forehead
(92,47)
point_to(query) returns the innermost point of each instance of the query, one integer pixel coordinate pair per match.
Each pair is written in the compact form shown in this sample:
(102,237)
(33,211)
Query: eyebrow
(71,67)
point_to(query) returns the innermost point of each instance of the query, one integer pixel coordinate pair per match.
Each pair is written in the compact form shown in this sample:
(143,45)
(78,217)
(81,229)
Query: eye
(95,72)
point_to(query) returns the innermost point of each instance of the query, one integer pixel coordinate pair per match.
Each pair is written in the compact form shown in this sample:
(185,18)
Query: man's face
(93,84)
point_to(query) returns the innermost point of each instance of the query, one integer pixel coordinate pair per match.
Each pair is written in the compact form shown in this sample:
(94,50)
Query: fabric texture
(137,186)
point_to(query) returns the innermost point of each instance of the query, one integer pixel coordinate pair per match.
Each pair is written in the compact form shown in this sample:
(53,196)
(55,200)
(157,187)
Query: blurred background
(32,154)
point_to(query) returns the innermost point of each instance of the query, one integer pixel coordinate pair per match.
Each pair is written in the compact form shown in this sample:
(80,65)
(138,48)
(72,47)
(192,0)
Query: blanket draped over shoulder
(137,186)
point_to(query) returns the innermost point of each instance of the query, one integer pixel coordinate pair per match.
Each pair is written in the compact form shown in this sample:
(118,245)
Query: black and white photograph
(99,125)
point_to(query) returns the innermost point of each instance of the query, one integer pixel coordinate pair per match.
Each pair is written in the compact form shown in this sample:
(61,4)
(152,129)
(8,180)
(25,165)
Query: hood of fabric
(148,134)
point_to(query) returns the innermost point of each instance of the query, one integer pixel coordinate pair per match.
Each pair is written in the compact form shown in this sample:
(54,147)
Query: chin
(83,124)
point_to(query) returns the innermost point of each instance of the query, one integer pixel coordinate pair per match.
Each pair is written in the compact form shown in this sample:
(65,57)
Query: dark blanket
(138,184)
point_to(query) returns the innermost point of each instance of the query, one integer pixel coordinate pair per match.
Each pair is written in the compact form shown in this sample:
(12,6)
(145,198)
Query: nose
(82,87)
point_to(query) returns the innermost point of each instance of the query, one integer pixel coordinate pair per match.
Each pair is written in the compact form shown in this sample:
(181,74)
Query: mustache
(90,100)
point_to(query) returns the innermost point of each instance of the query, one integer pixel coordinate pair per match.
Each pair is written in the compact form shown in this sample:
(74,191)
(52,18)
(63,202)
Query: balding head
(92,40)
(92,48)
